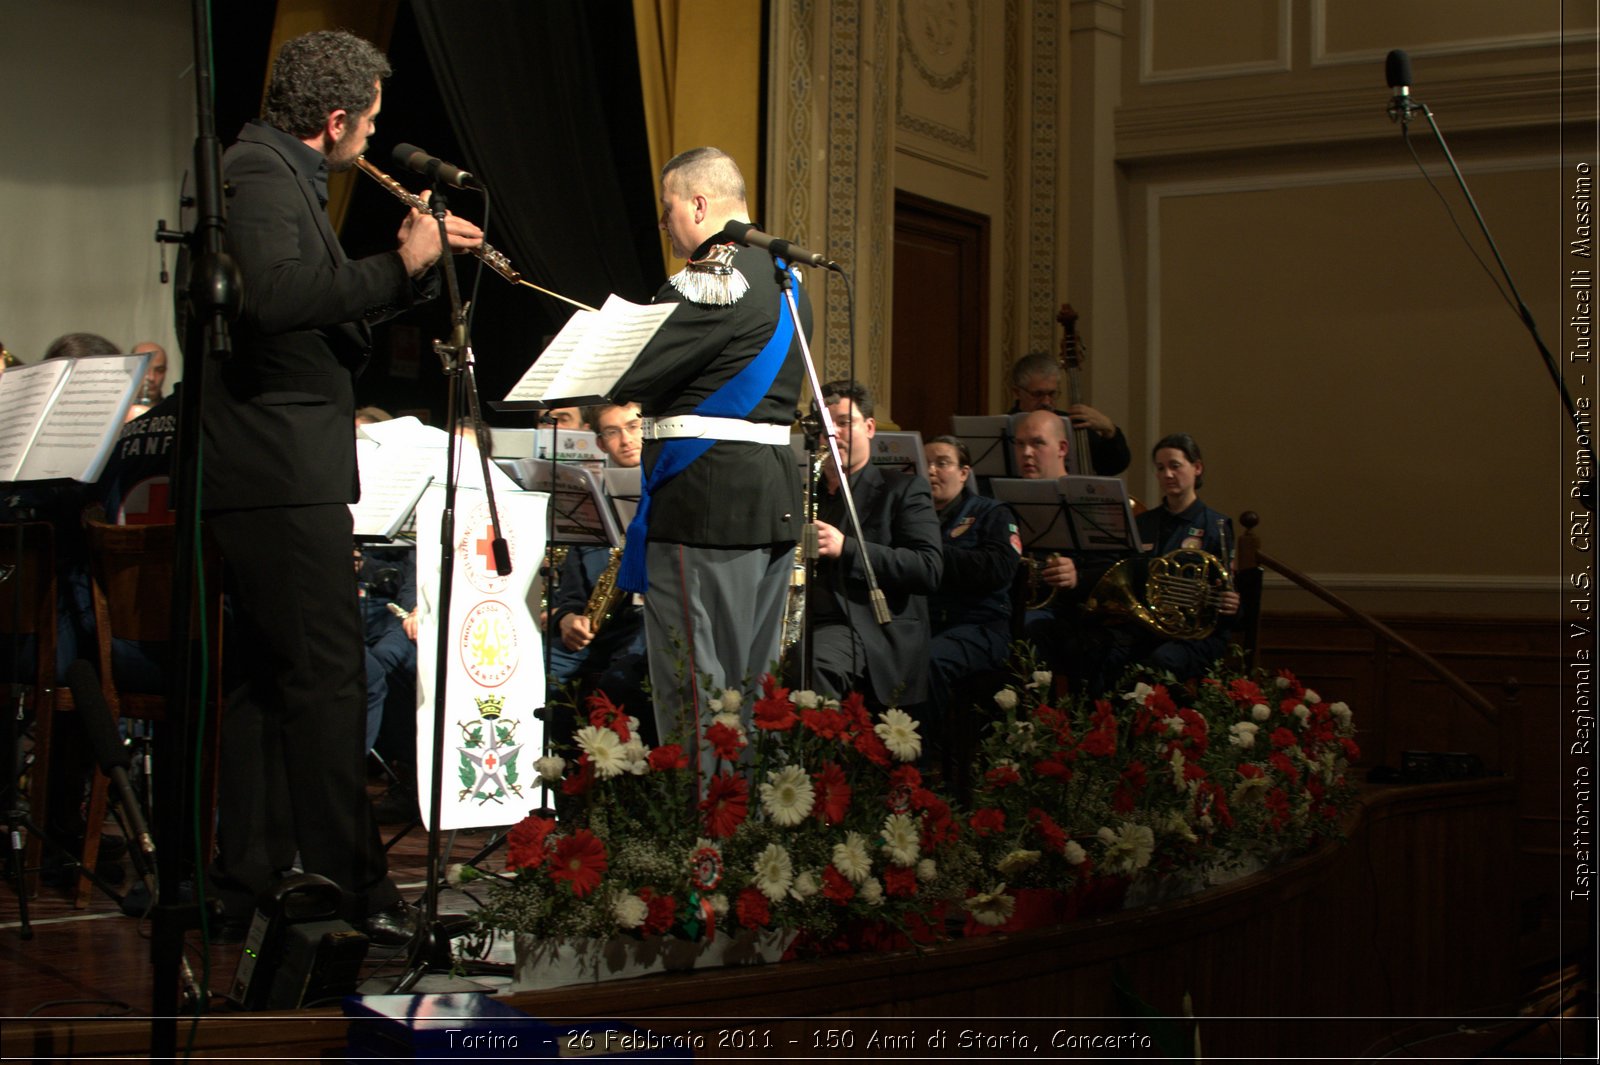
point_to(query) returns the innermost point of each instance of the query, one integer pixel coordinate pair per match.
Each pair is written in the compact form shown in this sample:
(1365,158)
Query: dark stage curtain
(544,100)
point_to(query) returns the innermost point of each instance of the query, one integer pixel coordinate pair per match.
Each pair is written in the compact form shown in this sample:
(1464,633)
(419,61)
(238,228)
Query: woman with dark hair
(971,611)
(1183,521)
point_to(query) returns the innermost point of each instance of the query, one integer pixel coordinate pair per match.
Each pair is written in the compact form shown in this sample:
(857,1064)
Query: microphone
(433,168)
(114,761)
(1397,68)
(747,234)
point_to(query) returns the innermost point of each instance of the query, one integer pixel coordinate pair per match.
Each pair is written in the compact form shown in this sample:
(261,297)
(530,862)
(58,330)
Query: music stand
(1041,515)
(988,440)
(895,450)
(1099,515)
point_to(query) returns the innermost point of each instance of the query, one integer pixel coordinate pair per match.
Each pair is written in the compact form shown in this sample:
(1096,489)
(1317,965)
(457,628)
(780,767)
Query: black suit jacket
(902,541)
(736,494)
(279,412)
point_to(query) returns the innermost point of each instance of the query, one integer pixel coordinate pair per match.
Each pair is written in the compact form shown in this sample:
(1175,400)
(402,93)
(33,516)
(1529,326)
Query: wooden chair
(131,577)
(28,607)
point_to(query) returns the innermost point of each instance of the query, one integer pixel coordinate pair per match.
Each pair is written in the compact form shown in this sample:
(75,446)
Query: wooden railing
(1250,556)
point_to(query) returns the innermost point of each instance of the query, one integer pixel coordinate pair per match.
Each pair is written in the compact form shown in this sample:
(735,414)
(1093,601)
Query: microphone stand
(430,946)
(880,606)
(1401,108)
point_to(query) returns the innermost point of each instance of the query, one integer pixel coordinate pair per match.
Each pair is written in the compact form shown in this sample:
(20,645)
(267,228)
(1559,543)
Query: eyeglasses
(611,433)
(1040,393)
(945,464)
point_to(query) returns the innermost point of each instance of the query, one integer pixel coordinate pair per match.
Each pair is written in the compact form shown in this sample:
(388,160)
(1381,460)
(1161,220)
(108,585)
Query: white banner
(495,678)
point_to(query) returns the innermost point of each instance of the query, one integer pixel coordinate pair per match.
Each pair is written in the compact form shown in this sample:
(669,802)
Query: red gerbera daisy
(580,860)
(836,887)
(603,713)
(832,794)
(726,805)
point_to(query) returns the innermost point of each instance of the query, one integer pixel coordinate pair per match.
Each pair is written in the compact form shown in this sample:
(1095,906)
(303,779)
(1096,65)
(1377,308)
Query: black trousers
(293,776)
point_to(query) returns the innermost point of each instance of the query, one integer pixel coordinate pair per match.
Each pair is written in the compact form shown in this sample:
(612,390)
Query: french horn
(1174,595)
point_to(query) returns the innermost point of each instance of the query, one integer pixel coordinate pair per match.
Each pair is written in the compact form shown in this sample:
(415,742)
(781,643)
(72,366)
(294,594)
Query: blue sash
(736,399)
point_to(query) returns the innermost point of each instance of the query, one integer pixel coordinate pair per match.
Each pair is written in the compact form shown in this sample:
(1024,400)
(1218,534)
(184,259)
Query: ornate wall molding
(937,50)
(1044,148)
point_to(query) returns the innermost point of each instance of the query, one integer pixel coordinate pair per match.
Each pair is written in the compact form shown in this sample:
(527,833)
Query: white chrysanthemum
(992,907)
(1281,682)
(1341,713)
(1005,699)
(1243,733)
(774,872)
(787,795)
(927,870)
(1128,849)
(805,885)
(900,839)
(1176,764)
(719,904)
(1173,725)
(1247,789)
(1302,713)
(1206,822)
(1042,679)
(1261,711)
(806,700)
(1140,691)
(1024,740)
(1312,698)
(898,731)
(851,858)
(727,702)
(629,910)
(1016,862)
(604,748)
(550,768)
(871,892)
(637,758)
(1074,853)
(1177,825)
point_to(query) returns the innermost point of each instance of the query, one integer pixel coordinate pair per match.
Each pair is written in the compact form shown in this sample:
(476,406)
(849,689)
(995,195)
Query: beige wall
(1217,190)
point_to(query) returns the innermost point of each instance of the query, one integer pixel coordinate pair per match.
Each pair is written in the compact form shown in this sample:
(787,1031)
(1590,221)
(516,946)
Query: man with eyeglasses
(1036,384)
(613,659)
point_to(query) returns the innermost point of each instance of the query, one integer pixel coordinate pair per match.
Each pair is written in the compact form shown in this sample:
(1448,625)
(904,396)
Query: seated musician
(611,659)
(971,611)
(1036,384)
(888,664)
(1182,521)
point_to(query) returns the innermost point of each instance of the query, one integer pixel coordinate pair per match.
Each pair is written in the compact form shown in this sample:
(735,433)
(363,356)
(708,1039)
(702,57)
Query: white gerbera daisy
(604,748)
(898,731)
(787,795)
(1016,862)
(900,839)
(851,858)
(774,872)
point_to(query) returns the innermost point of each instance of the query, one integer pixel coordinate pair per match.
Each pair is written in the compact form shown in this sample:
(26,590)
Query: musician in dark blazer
(713,537)
(279,473)
(900,536)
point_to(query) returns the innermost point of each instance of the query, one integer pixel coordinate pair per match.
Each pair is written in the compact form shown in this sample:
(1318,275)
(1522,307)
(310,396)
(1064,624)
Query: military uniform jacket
(981,554)
(901,531)
(279,411)
(737,494)
(1199,527)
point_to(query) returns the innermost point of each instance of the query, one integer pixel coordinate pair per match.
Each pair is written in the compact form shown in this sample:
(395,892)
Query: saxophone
(605,594)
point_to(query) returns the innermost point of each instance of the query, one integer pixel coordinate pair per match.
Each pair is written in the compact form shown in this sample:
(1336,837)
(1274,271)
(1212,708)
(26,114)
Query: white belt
(698,425)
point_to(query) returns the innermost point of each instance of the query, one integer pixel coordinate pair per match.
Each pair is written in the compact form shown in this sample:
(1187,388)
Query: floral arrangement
(815,818)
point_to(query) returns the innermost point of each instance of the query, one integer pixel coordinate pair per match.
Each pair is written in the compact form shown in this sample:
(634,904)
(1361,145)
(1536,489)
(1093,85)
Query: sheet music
(623,489)
(393,478)
(1099,514)
(576,514)
(987,439)
(25,394)
(82,418)
(591,352)
(1041,522)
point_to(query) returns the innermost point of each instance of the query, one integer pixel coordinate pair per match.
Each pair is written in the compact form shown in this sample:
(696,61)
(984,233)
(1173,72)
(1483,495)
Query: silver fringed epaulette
(712,280)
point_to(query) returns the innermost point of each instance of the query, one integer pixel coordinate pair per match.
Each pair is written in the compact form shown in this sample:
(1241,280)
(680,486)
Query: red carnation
(725,740)
(872,747)
(836,887)
(661,911)
(726,805)
(1159,702)
(1245,692)
(752,908)
(1282,737)
(825,722)
(1001,776)
(580,782)
(900,881)
(525,843)
(773,711)
(1054,838)
(668,756)
(988,821)
(580,860)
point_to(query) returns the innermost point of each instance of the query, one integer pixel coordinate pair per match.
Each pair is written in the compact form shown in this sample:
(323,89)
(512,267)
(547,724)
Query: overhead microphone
(747,234)
(433,168)
(1397,69)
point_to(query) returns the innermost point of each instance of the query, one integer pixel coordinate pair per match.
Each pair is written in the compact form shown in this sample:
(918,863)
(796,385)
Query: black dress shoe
(391,927)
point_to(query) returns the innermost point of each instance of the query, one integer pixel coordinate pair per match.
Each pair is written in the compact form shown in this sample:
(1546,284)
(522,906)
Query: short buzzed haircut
(318,73)
(1057,425)
(1034,364)
(708,170)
